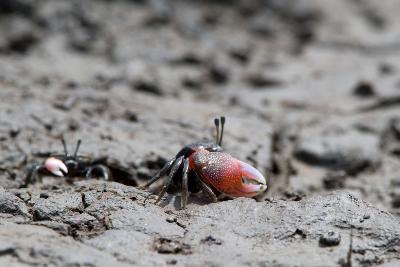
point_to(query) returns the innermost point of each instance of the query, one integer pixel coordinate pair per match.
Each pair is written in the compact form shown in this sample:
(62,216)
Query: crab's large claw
(55,166)
(228,175)
(253,182)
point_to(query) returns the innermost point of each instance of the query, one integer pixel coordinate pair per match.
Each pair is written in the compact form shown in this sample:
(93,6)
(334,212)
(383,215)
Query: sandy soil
(311,92)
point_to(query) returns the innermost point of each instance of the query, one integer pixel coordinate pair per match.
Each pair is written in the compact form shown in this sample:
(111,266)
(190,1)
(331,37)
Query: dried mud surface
(311,92)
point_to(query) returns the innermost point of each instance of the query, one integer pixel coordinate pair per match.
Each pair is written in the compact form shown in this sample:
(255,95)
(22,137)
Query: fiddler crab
(205,166)
(79,166)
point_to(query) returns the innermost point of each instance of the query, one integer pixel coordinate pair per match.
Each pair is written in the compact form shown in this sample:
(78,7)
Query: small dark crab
(205,166)
(74,165)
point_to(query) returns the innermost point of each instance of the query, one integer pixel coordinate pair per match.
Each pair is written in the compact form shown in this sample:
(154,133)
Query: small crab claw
(55,166)
(253,182)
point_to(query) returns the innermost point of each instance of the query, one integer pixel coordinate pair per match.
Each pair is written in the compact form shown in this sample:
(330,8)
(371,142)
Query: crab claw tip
(253,181)
(55,166)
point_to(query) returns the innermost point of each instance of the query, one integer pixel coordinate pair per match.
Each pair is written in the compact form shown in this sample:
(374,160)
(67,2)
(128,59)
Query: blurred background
(310,89)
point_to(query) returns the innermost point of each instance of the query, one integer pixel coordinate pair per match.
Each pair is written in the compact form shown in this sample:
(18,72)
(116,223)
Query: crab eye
(247,180)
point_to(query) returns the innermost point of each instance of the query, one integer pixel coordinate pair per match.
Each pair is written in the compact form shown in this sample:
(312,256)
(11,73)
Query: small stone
(44,195)
(241,55)
(71,84)
(259,80)
(172,262)
(14,132)
(168,246)
(148,87)
(130,116)
(210,240)
(188,59)
(365,217)
(218,74)
(171,219)
(364,89)
(65,103)
(329,239)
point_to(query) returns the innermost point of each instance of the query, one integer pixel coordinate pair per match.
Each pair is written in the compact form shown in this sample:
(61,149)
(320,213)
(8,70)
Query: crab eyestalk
(55,166)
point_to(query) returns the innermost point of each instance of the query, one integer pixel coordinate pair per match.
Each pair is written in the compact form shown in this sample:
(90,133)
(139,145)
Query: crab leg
(33,173)
(184,194)
(159,174)
(206,189)
(171,175)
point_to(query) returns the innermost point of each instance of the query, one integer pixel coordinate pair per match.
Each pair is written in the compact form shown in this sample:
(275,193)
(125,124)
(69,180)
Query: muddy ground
(311,92)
